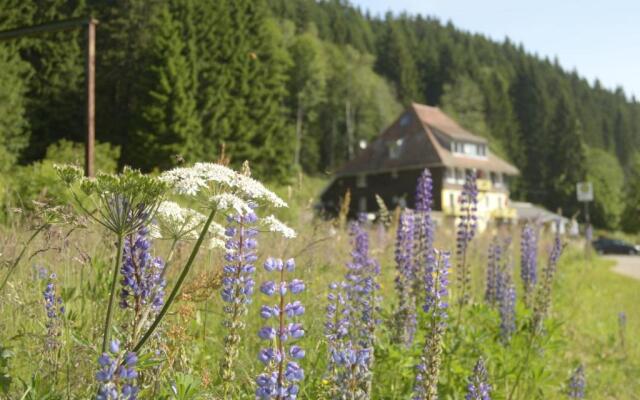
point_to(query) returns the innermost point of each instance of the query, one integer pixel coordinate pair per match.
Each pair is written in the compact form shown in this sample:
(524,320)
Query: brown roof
(420,148)
(437,120)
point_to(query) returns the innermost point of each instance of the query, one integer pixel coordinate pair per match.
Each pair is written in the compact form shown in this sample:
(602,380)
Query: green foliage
(5,377)
(68,152)
(14,126)
(630,221)
(167,123)
(607,177)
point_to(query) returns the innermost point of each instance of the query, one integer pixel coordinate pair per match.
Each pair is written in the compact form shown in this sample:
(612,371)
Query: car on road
(614,246)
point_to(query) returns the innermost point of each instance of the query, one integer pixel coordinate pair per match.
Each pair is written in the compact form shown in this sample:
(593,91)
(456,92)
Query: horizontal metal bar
(48,27)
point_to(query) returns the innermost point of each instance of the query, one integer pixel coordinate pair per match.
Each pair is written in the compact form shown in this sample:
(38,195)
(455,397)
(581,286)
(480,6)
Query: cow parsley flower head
(176,222)
(214,178)
(478,388)
(122,202)
(274,225)
(231,202)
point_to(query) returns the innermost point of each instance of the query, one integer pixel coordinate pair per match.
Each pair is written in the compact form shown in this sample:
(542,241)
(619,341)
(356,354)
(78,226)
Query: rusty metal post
(90,77)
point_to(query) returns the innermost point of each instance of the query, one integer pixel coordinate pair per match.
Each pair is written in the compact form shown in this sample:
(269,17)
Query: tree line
(295,85)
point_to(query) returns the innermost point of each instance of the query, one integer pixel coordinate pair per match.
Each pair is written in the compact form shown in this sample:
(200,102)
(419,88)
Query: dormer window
(469,149)
(395,148)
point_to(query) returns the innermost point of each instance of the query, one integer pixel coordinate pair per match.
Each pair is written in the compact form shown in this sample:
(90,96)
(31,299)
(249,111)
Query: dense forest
(296,84)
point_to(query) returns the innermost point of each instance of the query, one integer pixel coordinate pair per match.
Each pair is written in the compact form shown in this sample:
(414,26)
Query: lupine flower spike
(467,226)
(577,384)
(237,288)
(493,266)
(405,319)
(352,354)
(436,305)
(543,294)
(117,374)
(142,284)
(423,232)
(282,368)
(529,261)
(55,309)
(478,387)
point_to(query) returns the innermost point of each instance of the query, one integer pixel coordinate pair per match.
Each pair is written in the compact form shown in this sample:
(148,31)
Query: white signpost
(584,192)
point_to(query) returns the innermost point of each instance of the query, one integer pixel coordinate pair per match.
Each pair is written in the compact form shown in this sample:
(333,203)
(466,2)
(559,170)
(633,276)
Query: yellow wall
(488,204)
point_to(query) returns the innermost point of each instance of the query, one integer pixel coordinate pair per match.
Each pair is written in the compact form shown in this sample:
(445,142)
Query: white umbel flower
(256,191)
(185,181)
(228,201)
(178,222)
(275,225)
(192,180)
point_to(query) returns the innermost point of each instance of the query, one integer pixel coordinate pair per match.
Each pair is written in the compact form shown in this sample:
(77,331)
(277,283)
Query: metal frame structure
(90,71)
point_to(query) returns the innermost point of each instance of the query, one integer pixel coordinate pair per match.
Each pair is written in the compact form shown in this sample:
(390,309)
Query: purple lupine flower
(478,388)
(529,260)
(423,233)
(352,320)
(237,287)
(282,372)
(436,304)
(543,294)
(577,383)
(493,265)
(54,308)
(507,304)
(405,318)
(142,281)
(117,374)
(467,226)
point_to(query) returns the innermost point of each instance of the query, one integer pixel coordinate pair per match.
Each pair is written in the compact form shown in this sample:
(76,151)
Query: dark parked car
(614,246)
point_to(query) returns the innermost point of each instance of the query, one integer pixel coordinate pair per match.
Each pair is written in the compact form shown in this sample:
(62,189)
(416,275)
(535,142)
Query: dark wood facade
(396,188)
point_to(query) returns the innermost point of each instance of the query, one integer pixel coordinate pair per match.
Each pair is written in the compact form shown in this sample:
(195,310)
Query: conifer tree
(167,123)
(14,127)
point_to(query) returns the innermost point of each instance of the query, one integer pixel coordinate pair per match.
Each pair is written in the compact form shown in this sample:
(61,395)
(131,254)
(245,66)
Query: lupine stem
(116,269)
(176,288)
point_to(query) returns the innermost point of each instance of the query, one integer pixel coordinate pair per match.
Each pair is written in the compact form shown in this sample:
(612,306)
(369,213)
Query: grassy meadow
(182,360)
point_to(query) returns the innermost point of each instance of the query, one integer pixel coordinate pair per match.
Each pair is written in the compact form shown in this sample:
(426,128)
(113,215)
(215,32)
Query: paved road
(627,265)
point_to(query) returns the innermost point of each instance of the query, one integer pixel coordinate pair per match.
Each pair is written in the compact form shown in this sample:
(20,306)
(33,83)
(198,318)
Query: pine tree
(14,127)
(243,87)
(396,63)
(566,159)
(56,88)
(167,122)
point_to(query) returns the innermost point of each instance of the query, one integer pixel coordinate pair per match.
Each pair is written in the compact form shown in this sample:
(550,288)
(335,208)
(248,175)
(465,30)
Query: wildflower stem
(523,365)
(14,266)
(176,288)
(112,295)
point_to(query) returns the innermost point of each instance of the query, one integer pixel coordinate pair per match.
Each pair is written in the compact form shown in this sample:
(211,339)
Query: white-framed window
(450,175)
(395,149)
(361,181)
(452,201)
(362,204)
(459,176)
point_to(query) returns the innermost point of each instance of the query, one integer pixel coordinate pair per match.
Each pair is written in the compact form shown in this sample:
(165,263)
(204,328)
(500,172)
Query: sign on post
(584,191)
